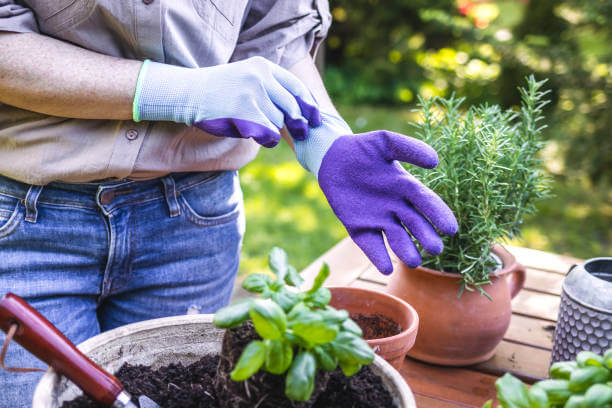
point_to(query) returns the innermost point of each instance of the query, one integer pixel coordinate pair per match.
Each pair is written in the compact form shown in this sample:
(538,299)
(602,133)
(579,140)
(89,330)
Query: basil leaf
(588,358)
(331,315)
(598,395)
(557,391)
(320,278)
(293,277)
(350,326)
(608,359)
(511,392)
(349,367)
(351,348)
(537,397)
(314,330)
(233,315)
(256,282)
(250,361)
(277,260)
(562,369)
(268,318)
(325,357)
(320,298)
(583,378)
(279,355)
(286,298)
(299,383)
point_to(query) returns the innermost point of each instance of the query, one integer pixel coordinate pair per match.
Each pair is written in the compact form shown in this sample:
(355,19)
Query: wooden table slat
(523,361)
(544,281)
(535,259)
(530,331)
(536,304)
(431,402)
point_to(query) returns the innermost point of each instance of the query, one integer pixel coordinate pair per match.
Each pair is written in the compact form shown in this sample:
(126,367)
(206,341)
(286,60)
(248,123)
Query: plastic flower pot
(456,331)
(371,302)
(159,342)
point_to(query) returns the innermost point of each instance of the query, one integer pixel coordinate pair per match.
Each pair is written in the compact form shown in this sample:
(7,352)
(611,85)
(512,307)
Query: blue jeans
(94,256)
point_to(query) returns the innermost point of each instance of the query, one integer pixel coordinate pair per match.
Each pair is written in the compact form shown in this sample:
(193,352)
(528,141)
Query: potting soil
(177,386)
(376,325)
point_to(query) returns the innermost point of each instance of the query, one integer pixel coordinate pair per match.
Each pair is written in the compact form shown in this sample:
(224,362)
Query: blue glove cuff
(310,151)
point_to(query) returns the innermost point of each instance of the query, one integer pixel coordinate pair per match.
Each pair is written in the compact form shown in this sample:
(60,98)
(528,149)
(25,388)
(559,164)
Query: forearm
(45,75)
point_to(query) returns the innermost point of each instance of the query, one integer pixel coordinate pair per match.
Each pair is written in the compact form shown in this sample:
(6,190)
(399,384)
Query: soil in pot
(376,325)
(178,386)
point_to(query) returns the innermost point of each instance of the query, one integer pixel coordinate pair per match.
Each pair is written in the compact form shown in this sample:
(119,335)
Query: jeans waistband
(106,195)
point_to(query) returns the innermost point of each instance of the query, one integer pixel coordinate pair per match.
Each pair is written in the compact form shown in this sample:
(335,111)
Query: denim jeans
(94,256)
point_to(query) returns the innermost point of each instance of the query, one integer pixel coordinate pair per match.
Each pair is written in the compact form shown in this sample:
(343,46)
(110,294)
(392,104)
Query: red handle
(37,335)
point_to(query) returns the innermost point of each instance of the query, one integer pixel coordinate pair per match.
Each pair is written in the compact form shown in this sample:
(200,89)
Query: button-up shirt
(37,148)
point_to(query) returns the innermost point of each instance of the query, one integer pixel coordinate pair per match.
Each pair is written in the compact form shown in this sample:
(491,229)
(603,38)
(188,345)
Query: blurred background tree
(381,54)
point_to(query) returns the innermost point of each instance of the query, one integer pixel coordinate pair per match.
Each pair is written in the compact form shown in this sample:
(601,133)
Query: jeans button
(107,197)
(147,1)
(131,134)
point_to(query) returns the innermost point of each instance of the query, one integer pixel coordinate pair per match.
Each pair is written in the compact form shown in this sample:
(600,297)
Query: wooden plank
(371,274)
(535,304)
(366,285)
(528,363)
(345,260)
(544,281)
(462,386)
(530,331)
(424,401)
(547,261)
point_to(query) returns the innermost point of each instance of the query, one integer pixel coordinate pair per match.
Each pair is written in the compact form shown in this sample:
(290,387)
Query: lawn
(285,207)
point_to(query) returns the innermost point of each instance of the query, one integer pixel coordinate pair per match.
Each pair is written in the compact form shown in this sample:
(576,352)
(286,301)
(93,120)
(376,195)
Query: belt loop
(31,200)
(170,192)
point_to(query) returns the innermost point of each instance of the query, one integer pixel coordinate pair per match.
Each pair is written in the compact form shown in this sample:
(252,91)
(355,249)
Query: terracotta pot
(458,331)
(364,301)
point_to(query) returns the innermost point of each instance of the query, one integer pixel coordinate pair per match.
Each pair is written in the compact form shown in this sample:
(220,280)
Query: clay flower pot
(458,331)
(368,302)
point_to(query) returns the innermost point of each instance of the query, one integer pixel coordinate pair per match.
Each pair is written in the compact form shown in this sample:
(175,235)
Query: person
(122,127)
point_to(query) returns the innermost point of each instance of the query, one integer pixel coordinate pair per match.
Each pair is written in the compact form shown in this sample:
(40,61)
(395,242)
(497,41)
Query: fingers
(421,229)
(302,95)
(401,243)
(407,149)
(240,128)
(429,204)
(372,244)
(286,102)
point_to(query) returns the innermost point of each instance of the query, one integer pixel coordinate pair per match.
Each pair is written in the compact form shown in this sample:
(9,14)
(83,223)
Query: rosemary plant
(488,174)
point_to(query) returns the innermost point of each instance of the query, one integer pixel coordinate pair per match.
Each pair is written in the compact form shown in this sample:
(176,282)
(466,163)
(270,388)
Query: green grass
(285,207)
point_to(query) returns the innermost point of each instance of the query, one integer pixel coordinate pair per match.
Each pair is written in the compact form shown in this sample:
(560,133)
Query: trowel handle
(37,335)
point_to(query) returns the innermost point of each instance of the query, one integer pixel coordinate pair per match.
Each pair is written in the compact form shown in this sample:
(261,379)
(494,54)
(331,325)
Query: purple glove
(371,193)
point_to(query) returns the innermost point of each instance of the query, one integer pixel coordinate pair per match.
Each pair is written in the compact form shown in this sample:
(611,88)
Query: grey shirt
(37,148)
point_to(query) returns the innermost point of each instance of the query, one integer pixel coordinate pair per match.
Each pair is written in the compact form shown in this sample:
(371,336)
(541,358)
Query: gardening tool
(36,334)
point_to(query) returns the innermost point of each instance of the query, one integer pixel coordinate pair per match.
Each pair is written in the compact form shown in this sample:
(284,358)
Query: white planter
(160,342)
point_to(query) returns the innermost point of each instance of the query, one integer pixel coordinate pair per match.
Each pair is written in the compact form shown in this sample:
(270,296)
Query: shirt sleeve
(16,17)
(283,31)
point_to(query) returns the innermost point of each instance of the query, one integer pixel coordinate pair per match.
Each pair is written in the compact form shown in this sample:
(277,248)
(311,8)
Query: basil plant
(300,332)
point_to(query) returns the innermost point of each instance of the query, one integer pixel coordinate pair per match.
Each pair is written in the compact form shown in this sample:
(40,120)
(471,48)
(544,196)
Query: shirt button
(147,1)
(131,134)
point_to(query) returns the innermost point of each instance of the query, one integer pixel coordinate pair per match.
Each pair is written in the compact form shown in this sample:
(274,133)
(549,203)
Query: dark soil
(376,326)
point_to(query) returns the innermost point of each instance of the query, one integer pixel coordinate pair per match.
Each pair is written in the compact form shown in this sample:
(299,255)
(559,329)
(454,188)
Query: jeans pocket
(10,214)
(213,201)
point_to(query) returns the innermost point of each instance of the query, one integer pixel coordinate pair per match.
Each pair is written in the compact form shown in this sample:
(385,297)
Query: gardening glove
(370,192)
(252,98)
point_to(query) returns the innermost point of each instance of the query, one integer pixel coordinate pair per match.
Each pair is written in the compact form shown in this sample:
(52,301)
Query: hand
(371,193)
(253,98)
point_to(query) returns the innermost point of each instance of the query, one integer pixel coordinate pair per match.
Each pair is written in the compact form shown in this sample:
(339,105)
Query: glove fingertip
(297,128)
(310,112)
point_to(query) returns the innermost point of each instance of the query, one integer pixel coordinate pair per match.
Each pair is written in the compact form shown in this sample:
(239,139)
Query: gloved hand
(371,193)
(252,98)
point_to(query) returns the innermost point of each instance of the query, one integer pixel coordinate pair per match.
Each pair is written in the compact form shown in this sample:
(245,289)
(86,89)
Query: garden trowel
(36,334)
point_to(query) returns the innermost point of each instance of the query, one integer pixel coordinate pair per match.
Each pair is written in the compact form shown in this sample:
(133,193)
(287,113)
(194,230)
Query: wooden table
(524,352)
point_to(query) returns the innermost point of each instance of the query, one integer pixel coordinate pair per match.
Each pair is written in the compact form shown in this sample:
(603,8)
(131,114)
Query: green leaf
(312,328)
(268,318)
(537,397)
(350,348)
(557,391)
(562,369)
(583,378)
(598,395)
(331,315)
(256,282)
(297,311)
(279,355)
(250,361)
(299,383)
(608,359)
(350,326)
(511,392)
(285,298)
(278,262)
(320,278)
(325,357)
(488,404)
(233,315)
(588,358)
(320,298)
(293,278)
(349,367)
(576,401)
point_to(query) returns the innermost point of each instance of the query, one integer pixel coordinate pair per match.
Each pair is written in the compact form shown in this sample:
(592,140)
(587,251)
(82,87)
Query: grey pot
(585,314)
(159,342)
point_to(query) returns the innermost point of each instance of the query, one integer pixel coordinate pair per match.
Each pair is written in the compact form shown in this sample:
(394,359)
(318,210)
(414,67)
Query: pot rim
(414,321)
(507,259)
